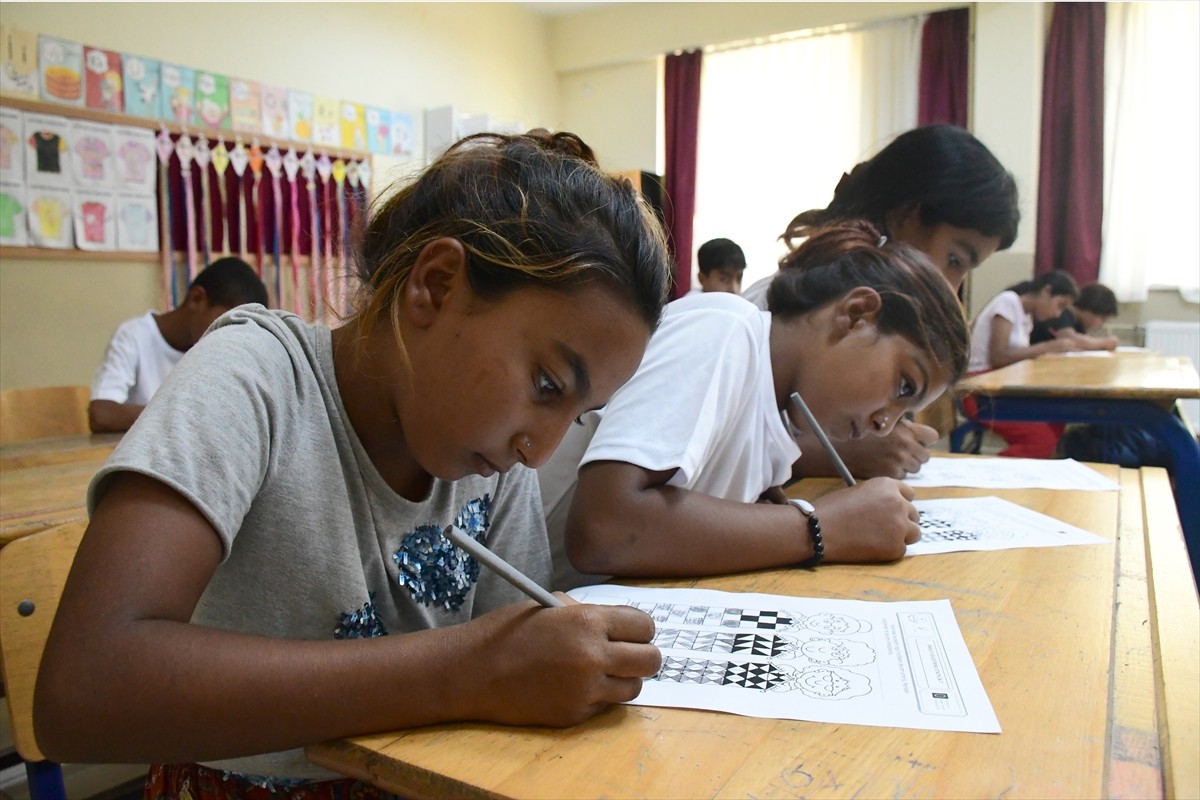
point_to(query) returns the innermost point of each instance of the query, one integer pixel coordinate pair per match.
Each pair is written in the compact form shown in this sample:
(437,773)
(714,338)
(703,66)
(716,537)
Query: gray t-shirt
(250,428)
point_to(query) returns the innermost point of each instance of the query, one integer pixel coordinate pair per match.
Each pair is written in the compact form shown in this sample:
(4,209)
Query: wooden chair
(43,412)
(33,571)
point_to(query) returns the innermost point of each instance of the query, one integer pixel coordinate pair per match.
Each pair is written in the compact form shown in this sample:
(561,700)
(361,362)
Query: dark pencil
(838,464)
(501,567)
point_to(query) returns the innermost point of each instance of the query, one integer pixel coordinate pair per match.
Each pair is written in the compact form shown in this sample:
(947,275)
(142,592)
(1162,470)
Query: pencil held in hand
(501,567)
(838,464)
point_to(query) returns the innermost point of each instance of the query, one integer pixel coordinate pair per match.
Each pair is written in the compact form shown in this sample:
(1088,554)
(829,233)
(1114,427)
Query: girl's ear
(440,269)
(860,305)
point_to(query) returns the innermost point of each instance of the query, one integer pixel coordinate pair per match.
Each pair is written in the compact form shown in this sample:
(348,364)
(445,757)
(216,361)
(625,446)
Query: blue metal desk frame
(1157,421)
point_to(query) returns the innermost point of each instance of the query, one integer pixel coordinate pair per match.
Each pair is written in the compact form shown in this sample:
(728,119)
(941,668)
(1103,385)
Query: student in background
(722,263)
(144,349)
(265,566)
(941,190)
(1000,337)
(666,479)
(1083,319)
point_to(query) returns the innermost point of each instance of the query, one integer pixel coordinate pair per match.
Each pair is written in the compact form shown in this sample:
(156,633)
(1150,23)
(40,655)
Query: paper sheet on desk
(1011,473)
(989,523)
(844,661)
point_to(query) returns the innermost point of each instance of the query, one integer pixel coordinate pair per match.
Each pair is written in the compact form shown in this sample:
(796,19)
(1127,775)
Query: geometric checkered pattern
(761,676)
(683,614)
(754,644)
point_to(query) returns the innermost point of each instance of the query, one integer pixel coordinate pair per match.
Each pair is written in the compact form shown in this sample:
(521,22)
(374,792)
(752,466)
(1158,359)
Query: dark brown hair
(918,302)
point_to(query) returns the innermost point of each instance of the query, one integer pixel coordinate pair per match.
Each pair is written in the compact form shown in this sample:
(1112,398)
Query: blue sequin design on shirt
(433,570)
(362,623)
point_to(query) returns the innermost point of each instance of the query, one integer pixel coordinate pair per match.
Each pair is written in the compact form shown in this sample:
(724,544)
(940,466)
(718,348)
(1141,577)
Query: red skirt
(194,782)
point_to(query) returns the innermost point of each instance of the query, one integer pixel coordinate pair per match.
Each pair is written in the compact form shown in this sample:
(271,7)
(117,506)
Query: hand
(873,521)
(900,453)
(557,666)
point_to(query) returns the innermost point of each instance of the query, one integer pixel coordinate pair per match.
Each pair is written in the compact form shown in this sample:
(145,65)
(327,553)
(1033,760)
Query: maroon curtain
(682,122)
(1071,182)
(945,43)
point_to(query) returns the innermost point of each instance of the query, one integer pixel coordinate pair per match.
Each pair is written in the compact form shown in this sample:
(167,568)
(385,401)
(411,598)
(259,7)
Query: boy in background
(1090,312)
(721,266)
(144,349)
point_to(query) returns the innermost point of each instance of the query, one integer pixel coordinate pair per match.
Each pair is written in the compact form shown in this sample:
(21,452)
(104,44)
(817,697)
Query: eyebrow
(971,251)
(583,383)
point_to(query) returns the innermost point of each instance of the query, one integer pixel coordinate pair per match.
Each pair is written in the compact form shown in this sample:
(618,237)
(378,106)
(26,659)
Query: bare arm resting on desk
(625,520)
(900,453)
(127,678)
(109,416)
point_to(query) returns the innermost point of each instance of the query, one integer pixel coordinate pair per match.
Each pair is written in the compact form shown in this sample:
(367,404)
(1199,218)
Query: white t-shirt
(136,362)
(1007,304)
(757,292)
(701,403)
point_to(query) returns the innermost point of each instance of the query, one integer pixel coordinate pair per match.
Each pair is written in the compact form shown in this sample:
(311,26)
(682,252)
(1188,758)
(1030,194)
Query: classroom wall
(56,315)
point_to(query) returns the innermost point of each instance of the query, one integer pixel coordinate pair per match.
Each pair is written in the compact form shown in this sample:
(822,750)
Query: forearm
(108,416)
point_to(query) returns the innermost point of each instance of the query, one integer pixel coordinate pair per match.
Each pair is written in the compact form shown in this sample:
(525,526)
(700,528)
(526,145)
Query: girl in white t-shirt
(1000,337)
(669,483)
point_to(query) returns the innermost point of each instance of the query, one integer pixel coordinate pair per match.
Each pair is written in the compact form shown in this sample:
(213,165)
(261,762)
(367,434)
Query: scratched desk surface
(44,482)
(1070,680)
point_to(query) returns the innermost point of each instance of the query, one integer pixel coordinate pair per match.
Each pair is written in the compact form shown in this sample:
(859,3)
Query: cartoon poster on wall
(50,217)
(12,154)
(18,62)
(142,77)
(60,65)
(402,134)
(178,94)
(274,111)
(133,150)
(95,216)
(47,144)
(245,105)
(92,155)
(102,80)
(212,101)
(13,227)
(300,116)
(379,130)
(137,223)
(354,126)
(326,124)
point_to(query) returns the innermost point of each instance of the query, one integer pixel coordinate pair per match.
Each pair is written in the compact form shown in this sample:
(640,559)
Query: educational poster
(300,116)
(245,105)
(379,130)
(12,154)
(133,150)
(102,80)
(274,111)
(50,217)
(850,662)
(403,134)
(95,220)
(18,62)
(13,227)
(142,86)
(212,101)
(990,523)
(325,122)
(137,223)
(354,126)
(92,155)
(178,94)
(47,150)
(60,65)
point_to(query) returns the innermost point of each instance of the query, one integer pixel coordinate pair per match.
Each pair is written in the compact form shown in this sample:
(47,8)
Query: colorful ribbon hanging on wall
(238,159)
(184,150)
(256,165)
(291,165)
(165,147)
(203,157)
(220,162)
(274,163)
(325,169)
(308,168)
(339,289)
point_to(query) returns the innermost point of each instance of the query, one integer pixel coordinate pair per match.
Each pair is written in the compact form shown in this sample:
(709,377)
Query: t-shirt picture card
(95,220)
(50,217)
(13,226)
(47,150)
(92,155)
(12,152)
(133,149)
(137,223)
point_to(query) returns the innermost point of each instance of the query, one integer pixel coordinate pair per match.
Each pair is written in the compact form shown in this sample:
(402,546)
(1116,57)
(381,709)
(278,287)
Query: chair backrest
(33,572)
(43,412)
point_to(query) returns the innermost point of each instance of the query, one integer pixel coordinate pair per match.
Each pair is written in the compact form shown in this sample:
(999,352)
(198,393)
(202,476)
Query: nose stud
(882,422)
(528,444)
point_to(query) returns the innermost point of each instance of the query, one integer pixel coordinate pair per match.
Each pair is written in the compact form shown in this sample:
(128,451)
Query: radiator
(1177,339)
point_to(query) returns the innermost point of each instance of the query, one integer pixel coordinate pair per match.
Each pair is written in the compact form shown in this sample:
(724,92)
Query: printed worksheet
(1011,473)
(844,661)
(990,523)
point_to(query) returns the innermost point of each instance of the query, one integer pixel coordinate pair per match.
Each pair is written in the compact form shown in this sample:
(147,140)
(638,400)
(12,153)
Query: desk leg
(1158,422)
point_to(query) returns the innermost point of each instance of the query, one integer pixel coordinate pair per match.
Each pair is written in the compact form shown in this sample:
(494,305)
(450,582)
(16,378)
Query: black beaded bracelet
(814,533)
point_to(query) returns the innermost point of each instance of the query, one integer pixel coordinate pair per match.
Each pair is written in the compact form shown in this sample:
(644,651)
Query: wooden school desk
(1128,388)
(1059,637)
(44,482)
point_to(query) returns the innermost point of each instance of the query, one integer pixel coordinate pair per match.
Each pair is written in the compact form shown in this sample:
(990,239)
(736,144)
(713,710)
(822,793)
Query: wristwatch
(814,532)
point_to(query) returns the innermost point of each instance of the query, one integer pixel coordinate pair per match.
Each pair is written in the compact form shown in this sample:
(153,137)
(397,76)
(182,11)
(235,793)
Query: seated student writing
(144,349)
(1082,320)
(265,567)
(1000,337)
(722,264)
(941,190)
(669,482)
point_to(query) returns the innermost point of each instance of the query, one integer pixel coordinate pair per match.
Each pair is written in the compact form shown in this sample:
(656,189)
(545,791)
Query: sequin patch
(363,623)
(433,570)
